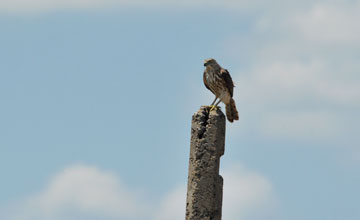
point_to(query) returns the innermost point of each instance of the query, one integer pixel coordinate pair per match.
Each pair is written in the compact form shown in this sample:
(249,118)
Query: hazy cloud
(246,6)
(35,6)
(247,195)
(81,192)
(302,78)
(173,206)
(332,23)
(86,192)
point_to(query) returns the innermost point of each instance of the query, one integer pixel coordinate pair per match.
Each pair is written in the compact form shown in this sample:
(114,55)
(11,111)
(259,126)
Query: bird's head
(210,62)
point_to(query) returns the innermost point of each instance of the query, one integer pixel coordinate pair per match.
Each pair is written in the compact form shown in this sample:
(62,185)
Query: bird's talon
(212,107)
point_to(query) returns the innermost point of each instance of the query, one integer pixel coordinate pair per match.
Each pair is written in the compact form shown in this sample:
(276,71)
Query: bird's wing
(204,79)
(228,81)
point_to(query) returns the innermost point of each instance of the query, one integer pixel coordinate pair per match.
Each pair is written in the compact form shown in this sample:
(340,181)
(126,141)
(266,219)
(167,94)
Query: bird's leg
(214,101)
(215,106)
(217,103)
(212,104)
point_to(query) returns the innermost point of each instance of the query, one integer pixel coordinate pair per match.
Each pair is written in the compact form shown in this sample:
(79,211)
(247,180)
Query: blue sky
(97,98)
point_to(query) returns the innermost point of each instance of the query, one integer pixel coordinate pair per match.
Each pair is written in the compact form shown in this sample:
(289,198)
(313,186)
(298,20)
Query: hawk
(219,82)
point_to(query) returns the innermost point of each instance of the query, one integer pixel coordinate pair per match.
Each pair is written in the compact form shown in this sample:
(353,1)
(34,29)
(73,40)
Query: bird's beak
(205,64)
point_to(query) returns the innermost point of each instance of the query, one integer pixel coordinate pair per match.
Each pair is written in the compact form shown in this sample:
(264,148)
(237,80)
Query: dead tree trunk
(205,185)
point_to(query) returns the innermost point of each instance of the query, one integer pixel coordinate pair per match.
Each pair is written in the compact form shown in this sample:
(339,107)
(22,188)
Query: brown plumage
(219,82)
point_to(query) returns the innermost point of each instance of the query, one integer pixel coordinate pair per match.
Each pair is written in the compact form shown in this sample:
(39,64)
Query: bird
(219,82)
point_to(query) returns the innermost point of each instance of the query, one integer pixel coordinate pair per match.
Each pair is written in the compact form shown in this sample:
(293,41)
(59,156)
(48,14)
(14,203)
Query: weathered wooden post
(205,185)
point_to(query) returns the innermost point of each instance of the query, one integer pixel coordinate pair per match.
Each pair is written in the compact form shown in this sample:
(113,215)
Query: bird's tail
(231,112)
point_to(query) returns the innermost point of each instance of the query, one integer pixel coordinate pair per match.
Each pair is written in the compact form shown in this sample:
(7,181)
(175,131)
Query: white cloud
(247,195)
(173,206)
(286,100)
(331,23)
(21,6)
(81,191)
(301,126)
(302,78)
(293,80)
(25,6)
(86,192)
(277,81)
(246,6)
